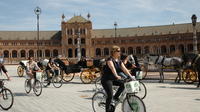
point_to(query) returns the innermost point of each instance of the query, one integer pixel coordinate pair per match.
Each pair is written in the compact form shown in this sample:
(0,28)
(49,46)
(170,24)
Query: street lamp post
(38,12)
(194,20)
(115,24)
(78,45)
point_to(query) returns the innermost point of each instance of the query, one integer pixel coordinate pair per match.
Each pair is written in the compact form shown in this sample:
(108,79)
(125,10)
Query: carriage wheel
(144,69)
(20,71)
(86,77)
(189,76)
(67,77)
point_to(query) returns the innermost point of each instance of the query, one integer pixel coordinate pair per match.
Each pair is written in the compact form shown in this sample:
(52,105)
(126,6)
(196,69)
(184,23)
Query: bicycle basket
(132,86)
(139,74)
(38,75)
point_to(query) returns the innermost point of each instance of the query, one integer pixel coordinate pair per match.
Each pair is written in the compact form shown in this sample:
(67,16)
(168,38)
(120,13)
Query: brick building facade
(172,39)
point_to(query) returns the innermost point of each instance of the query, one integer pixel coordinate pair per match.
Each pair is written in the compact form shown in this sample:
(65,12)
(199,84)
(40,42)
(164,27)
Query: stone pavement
(76,97)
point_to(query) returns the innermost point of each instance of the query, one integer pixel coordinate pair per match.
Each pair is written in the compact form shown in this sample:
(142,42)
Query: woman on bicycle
(32,68)
(110,76)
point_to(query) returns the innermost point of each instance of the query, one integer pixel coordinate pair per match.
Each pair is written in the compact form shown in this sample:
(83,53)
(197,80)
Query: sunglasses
(117,51)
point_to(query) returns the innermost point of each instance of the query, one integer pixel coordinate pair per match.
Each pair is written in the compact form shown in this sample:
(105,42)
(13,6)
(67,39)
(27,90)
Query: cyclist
(131,64)
(32,68)
(2,67)
(110,76)
(51,68)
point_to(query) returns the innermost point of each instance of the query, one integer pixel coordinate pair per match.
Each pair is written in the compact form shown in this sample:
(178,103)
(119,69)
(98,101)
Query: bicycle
(130,102)
(6,96)
(56,80)
(142,88)
(37,86)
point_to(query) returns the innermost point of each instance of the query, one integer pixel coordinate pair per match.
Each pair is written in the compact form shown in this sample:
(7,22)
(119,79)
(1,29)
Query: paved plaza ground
(76,97)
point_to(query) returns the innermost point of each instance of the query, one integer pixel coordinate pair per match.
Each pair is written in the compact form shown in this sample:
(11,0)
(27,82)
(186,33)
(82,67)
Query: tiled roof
(30,35)
(77,19)
(145,31)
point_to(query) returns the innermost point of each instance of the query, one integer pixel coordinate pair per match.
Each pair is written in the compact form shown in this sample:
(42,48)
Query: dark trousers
(107,85)
(2,67)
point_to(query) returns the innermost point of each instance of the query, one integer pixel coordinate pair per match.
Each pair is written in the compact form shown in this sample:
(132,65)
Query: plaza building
(170,40)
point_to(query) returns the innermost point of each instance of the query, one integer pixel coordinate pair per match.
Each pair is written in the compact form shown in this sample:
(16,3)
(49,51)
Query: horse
(163,62)
(194,59)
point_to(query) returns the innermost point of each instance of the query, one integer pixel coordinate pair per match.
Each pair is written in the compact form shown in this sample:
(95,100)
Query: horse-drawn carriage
(186,66)
(191,67)
(21,68)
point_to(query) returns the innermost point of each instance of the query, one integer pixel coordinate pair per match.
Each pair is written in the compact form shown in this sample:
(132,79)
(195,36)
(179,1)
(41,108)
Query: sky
(18,15)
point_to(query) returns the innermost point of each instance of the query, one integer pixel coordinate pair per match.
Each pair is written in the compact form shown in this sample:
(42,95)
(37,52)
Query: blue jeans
(123,75)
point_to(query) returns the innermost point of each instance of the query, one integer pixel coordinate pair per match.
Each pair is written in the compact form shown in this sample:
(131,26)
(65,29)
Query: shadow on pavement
(20,94)
(87,91)
(188,88)
(72,83)
(197,99)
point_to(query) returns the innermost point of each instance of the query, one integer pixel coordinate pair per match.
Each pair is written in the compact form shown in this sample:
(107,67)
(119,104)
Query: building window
(98,52)
(130,50)
(14,54)
(146,49)
(83,52)
(106,51)
(69,41)
(31,43)
(31,53)
(138,50)
(47,53)
(6,54)
(39,53)
(190,47)
(14,43)
(82,41)
(172,48)
(55,52)
(163,49)
(5,43)
(75,41)
(122,49)
(23,53)
(69,32)
(70,53)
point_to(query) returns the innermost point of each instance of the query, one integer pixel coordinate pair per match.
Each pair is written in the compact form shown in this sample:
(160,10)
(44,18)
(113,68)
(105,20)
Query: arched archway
(23,53)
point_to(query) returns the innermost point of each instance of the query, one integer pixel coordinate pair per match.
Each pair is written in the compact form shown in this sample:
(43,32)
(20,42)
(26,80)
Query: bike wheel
(37,88)
(86,77)
(189,76)
(6,99)
(45,80)
(57,81)
(133,103)
(142,90)
(20,71)
(99,102)
(67,77)
(27,86)
(98,83)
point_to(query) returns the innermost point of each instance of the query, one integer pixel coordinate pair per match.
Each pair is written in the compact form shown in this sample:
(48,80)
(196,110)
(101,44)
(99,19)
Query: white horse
(163,62)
